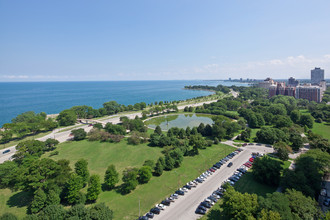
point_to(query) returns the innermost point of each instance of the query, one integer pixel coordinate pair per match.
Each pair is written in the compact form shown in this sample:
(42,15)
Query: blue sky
(81,40)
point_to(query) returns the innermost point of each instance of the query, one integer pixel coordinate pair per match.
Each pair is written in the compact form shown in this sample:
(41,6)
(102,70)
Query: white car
(161,206)
(184,189)
(209,201)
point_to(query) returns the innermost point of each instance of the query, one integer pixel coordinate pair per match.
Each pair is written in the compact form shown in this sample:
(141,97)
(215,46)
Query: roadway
(63,134)
(184,207)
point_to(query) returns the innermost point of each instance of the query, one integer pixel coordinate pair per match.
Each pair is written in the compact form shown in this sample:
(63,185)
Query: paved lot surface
(184,207)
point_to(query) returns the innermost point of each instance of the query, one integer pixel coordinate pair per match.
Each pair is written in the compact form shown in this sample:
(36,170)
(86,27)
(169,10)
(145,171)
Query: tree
(177,156)
(81,170)
(159,167)
(38,201)
(112,107)
(276,202)
(52,212)
(79,211)
(281,121)
(53,197)
(72,189)
(149,163)
(295,116)
(239,206)
(79,134)
(267,170)
(8,216)
(169,162)
(282,150)
(50,144)
(307,120)
(145,173)
(67,117)
(297,141)
(302,207)
(269,215)
(158,130)
(94,187)
(101,212)
(129,179)
(111,177)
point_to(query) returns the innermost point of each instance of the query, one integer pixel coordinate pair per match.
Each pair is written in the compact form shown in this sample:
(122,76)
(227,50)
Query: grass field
(100,155)
(322,129)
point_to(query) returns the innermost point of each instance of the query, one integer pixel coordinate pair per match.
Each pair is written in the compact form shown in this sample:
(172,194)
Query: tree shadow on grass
(216,215)
(20,199)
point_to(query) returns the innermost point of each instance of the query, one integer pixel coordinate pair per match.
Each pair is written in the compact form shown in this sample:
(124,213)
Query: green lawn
(100,155)
(322,129)
(249,185)
(13,202)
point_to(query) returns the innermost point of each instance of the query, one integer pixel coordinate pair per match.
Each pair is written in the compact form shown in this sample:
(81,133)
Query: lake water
(180,121)
(53,97)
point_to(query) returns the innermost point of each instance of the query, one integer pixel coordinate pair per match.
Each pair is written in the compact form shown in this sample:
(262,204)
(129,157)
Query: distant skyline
(80,40)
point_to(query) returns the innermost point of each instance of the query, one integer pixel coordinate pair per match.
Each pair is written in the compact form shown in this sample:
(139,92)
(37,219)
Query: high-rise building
(317,75)
(293,82)
(309,92)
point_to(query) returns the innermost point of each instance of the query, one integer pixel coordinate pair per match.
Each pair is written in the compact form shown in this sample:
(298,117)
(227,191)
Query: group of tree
(310,168)
(289,205)
(51,183)
(57,212)
(28,123)
(219,88)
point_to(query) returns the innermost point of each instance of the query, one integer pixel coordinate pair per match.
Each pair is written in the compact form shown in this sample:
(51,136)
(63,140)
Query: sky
(83,40)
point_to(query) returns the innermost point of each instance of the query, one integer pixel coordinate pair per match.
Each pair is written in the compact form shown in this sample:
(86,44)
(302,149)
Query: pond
(180,121)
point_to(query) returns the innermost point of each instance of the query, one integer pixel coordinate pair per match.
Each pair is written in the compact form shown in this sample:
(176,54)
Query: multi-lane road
(184,207)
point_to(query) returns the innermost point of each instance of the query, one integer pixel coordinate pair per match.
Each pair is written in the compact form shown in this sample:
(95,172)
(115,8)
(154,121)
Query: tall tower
(317,75)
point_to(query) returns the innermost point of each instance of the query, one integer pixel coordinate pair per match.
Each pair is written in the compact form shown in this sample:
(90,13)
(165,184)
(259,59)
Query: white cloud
(15,76)
(296,66)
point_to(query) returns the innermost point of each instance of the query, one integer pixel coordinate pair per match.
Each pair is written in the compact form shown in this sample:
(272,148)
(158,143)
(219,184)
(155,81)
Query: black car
(201,207)
(218,192)
(212,199)
(179,192)
(6,151)
(200,211)
(187,186)
(206,204)
(150,215)
(143,218)
(232,179)
(155,210)
(166,202)
(230,164)
(241,170)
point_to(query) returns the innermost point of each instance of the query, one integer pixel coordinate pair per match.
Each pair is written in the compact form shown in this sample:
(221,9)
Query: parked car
(179,192)
(166,202)
(183,189)
(245,144)
(144,217)
(175,196)
(202,207)
(155,210)
(161,206)
(150,215)
(206,205)
(230,164)
(209,201)
(199,180)
(187,186)
(326,202)
(200,211)
(213,199)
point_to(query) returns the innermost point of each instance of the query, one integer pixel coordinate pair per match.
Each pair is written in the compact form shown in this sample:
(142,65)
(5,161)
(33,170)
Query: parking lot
(184,207)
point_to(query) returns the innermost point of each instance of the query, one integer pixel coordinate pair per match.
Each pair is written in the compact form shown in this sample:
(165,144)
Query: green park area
(100,155)
(322,129)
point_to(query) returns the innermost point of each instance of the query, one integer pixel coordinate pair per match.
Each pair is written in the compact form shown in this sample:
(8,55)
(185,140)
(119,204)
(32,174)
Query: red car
(251,159)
